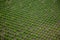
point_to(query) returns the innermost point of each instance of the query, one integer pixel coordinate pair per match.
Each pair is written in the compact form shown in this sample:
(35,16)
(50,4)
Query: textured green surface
(29,20)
